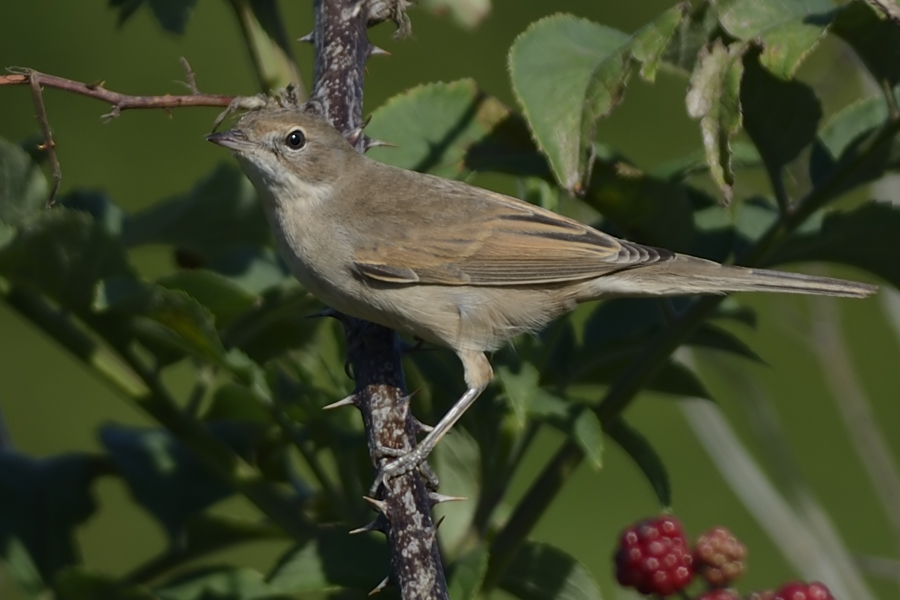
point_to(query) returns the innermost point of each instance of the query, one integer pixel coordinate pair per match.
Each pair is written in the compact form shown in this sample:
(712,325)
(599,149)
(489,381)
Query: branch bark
(404,502)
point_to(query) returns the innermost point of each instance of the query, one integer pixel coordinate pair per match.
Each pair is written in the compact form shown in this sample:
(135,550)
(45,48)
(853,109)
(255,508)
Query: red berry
(718,595)
(653,556)
(797,590)
(719,556)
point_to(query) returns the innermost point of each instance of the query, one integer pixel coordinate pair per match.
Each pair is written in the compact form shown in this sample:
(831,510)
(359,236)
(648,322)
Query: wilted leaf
(644,456)
(23,187)
(542,572)
(42,501)
(649,42)
(787,29)
(693,33)
(333,559)
(863,237)
(714,97)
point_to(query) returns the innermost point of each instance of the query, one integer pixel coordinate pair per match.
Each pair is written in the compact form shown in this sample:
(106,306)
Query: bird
(447,262)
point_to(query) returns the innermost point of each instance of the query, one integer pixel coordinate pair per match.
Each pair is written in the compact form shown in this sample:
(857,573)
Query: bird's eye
(296,139)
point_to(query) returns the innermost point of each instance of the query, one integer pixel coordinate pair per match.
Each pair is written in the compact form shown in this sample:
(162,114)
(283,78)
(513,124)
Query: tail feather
(685,275)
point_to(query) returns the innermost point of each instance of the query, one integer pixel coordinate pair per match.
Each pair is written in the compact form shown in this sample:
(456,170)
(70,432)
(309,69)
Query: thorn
(380,586)
(376,51)
(437,498)
(354,135)
(373,143)
(409,396)
(309,38)
(348,401)
(437,525)
(373,526)
(379,505)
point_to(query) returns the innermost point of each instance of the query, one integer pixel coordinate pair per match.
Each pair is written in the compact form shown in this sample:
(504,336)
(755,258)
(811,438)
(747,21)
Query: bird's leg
(478,376)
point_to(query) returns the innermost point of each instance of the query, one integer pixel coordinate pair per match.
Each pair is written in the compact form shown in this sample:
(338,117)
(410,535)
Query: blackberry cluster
(654,557)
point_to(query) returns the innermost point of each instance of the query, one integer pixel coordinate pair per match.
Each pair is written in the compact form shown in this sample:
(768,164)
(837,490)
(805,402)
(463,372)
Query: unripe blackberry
(718,557)
(718,595)
(798,590)
(653,556)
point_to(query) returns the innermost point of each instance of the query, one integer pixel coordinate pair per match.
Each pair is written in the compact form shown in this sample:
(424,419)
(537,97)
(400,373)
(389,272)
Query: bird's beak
(233,139)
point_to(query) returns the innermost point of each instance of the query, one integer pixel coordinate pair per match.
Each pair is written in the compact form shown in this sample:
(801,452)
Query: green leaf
(542,572)
(172,15)
(63,254)
(677,379)
(23,187)
(743,156)
(693,34)
(788,30)
(710,336)
(588,434)
(650,42)
(521,386)
(862,237)
(436,125)
(167,478)
(876,40)
(714,98)
(220,214)
(42,502)
(458,465)
(222,297)
(333,559)
(644,456)
(77,583)
(468,13)
(216,583)
(466,574)
(839,140)
(644,209)
(781,117)
(567,73)
(97,204)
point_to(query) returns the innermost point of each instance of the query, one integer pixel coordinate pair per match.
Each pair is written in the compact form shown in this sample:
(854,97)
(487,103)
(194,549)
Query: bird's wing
(491,240)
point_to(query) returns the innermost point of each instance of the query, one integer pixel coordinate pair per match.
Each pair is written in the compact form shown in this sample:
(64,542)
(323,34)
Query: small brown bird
(450,263)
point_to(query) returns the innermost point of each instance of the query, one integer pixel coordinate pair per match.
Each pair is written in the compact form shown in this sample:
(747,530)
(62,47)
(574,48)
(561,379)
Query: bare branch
(48,146)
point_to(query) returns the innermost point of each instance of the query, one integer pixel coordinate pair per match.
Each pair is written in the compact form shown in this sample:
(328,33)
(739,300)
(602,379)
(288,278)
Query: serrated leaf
(542,572)
(466,574)
(23,187)
(693,33)
(216,583)
(333,559)
(876,40)
(218,215)
(435,125)
(42,502)
(468,13)
(63,254)
(862,237)
(788,30)
(781,117)
(714,98)
(166,477)
(521,386)
(567,73)
(644,456)
(650,41)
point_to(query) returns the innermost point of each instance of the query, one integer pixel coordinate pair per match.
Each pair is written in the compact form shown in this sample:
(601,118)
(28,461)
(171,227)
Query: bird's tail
(688,275)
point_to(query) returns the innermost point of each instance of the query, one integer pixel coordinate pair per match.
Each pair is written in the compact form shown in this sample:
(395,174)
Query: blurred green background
(49,405)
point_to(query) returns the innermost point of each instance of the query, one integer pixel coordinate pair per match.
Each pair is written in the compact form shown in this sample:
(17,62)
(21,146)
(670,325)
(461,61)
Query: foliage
(263,371)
